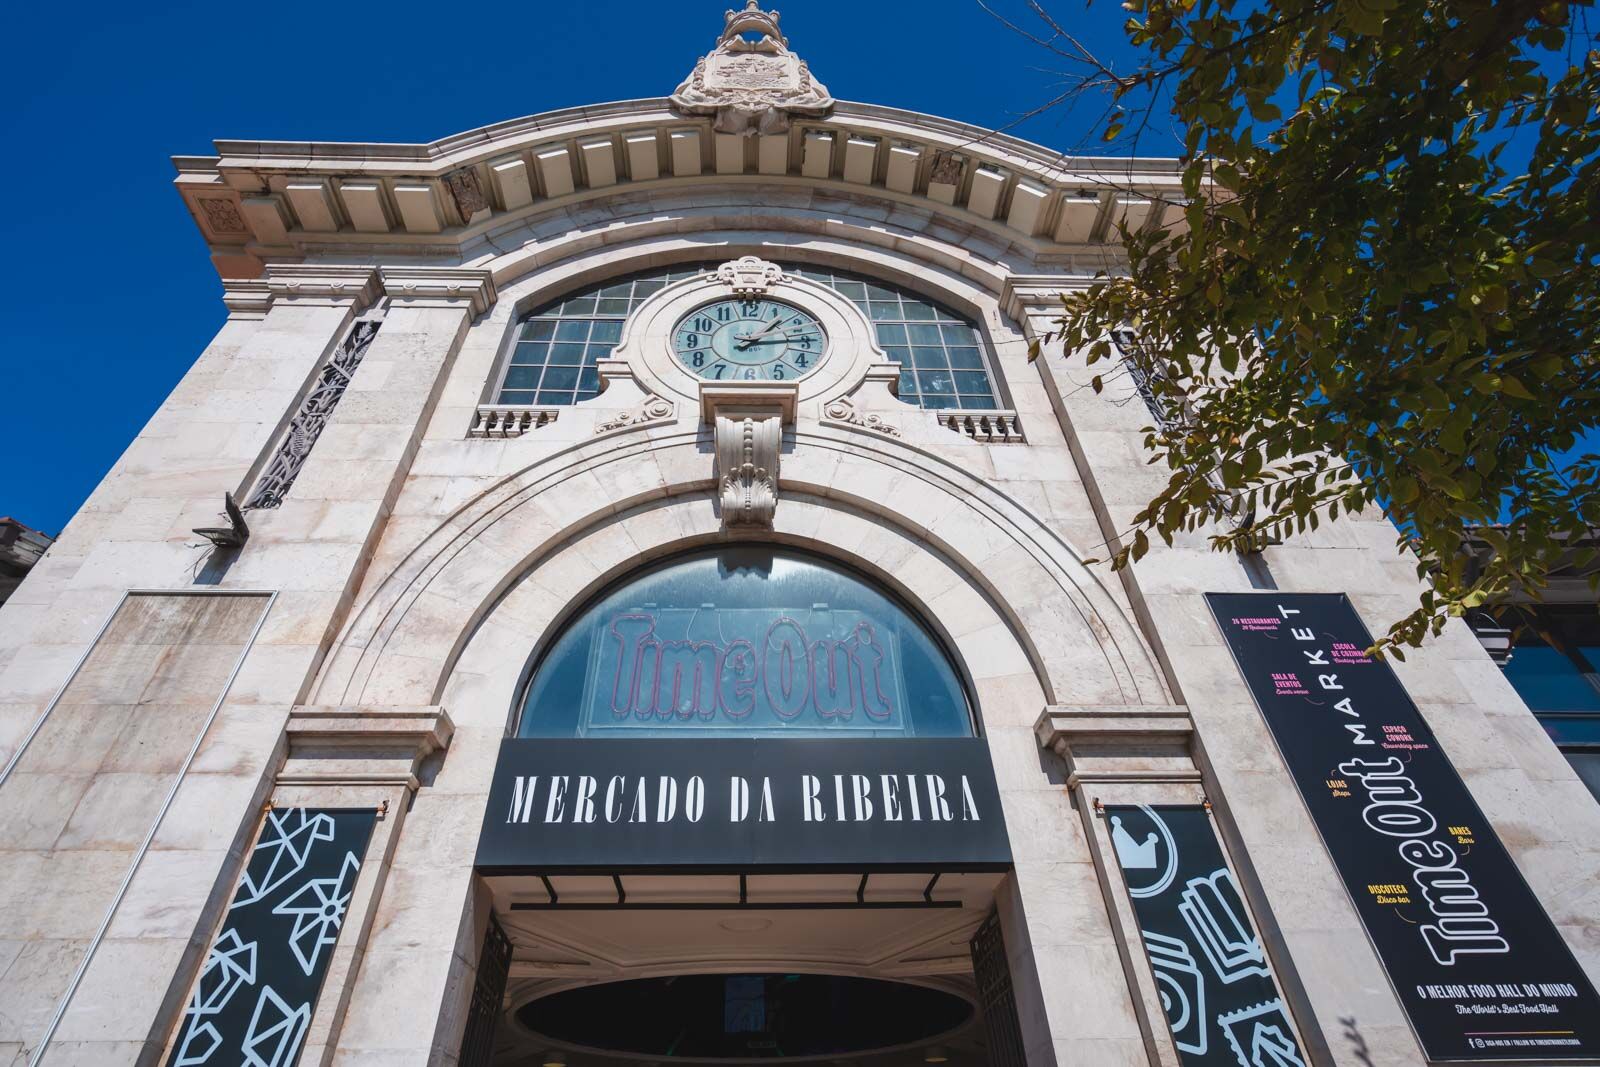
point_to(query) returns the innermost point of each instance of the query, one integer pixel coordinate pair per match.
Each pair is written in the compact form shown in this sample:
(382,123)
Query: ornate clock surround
(647,336)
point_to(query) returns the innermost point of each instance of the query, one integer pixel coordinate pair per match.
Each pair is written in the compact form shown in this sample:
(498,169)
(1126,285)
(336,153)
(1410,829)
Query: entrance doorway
(630,970)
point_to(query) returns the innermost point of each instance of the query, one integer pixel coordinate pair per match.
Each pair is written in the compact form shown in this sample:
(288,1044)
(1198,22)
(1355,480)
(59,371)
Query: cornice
(246,298)
(324,283)
(261,201)
(1021,293)
(440,286)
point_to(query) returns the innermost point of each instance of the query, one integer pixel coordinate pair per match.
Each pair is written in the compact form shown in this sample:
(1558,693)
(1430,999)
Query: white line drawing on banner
(278,1035)
(230,964)
(1222,933)
(293,845)
(318,908)
(1133,856)
(1183,992)
(1259,1036)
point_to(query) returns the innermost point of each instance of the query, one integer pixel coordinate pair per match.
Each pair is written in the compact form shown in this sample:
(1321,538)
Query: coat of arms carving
(752,86)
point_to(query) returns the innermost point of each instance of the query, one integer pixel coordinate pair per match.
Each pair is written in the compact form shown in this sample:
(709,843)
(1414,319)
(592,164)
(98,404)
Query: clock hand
(748,339)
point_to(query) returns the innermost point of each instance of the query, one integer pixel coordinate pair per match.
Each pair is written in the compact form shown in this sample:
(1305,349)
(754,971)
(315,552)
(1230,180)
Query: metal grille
(488,990)
(996,996)
(307,424)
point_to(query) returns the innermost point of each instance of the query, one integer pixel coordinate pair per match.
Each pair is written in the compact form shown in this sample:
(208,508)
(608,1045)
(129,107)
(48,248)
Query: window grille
(996,997)
(1172,419)
(941,354)
(312,416)
(488,991)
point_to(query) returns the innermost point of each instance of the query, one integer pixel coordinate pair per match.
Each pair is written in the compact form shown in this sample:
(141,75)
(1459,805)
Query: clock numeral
(692,339)
(719,368)
(704,324)
(699,359)
(777,372)
(800,360)
(724,313)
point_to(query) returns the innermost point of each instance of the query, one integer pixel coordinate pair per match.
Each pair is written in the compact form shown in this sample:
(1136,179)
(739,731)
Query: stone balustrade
(510,420)
(988,427)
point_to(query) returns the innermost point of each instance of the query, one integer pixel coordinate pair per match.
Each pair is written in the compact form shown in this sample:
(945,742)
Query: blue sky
(108,293)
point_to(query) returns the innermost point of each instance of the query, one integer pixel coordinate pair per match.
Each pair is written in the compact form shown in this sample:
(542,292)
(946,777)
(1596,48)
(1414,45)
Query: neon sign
(689,668)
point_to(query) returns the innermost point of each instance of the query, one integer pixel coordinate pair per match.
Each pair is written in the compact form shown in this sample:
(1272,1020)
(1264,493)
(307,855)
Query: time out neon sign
(756,669)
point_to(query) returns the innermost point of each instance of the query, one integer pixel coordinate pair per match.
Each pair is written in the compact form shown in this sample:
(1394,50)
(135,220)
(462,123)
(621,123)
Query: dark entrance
(745,1016)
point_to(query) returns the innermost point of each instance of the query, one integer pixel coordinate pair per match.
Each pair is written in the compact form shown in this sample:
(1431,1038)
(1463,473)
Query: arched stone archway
(945,539)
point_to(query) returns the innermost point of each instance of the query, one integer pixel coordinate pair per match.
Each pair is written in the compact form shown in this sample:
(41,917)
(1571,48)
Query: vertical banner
(1213,975)
(262,976)
(1480,969)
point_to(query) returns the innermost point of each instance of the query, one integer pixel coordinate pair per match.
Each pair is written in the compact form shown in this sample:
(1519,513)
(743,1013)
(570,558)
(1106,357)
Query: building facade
(660,621)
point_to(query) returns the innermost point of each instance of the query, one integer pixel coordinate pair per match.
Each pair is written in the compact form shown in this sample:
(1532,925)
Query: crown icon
(1131,854)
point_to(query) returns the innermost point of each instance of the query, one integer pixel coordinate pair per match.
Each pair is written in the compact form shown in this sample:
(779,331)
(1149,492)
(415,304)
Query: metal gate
(995,995)
(494,965)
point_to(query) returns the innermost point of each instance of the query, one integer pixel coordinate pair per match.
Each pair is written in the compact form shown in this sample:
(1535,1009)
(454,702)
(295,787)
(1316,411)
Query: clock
(749,340)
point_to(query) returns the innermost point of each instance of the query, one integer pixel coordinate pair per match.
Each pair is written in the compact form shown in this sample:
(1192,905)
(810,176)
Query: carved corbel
(748,420)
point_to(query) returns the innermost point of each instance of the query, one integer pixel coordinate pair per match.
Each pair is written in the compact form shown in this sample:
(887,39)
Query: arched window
(745,641)
(942,355)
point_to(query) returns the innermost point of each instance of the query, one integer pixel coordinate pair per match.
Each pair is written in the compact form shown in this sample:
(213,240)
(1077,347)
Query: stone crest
(749,276)
(752,86)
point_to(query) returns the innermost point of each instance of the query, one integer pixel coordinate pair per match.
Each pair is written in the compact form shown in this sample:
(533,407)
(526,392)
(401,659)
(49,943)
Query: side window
(943,363)
(553,361)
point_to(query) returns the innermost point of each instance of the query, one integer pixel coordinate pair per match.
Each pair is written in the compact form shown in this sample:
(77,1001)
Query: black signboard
(260,981)
(1215,981)
(1479,967)
(739,804)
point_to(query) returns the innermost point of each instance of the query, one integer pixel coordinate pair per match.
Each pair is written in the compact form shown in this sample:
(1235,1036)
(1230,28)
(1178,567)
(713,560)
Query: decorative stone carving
(466,192)
(946,168)
(749,275)
(748,420)
(752,86)
(747,464)
(653,409)
(844,410)
(223,216)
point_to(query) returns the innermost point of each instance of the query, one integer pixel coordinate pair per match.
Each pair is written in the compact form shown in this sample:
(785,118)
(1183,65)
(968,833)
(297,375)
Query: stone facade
(367,643)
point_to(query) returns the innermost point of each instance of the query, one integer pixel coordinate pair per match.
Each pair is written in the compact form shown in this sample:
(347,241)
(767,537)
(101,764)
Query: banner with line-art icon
(260,981)
(1212,973)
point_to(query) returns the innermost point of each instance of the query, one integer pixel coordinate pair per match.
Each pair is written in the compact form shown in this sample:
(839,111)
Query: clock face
(749,340)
